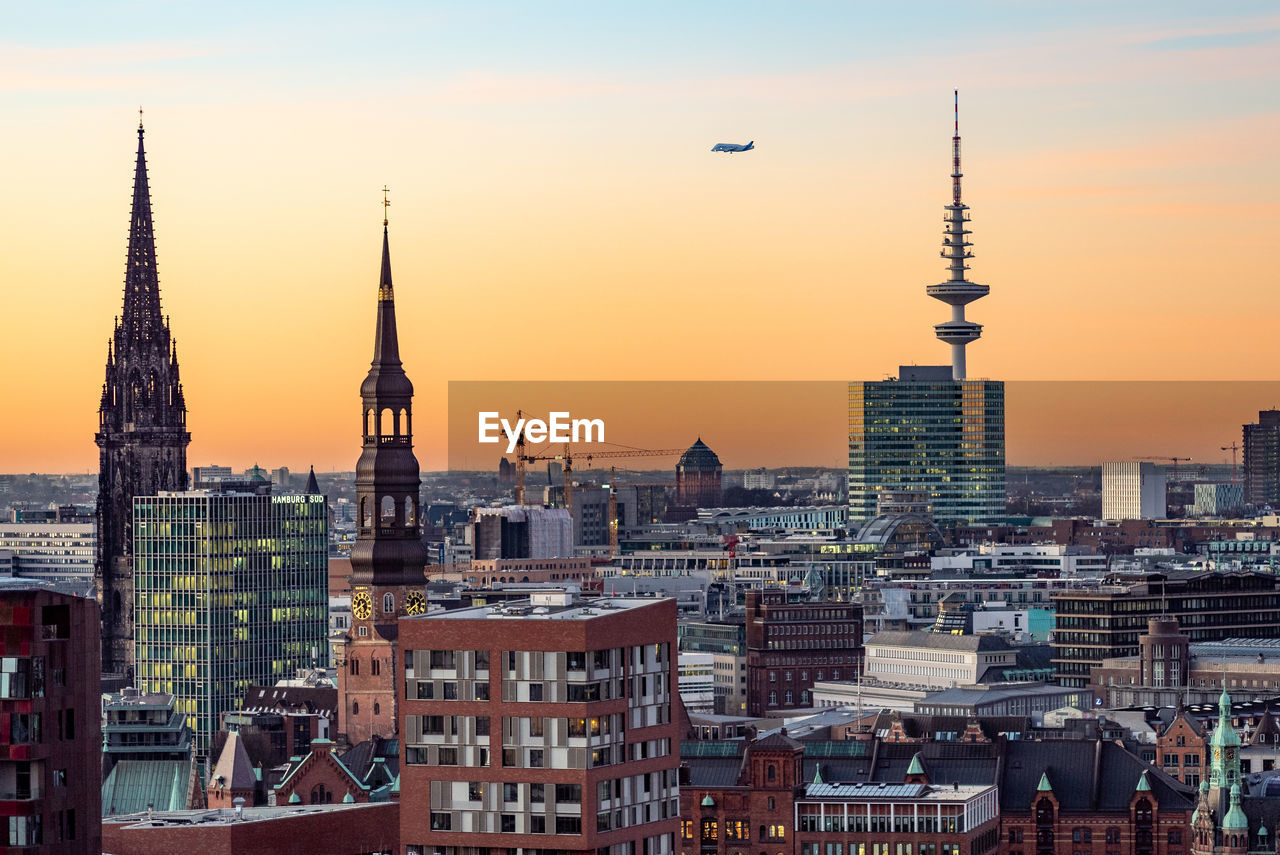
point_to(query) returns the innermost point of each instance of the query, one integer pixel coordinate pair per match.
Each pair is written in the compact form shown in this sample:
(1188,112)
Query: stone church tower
(142,428)
(388,558)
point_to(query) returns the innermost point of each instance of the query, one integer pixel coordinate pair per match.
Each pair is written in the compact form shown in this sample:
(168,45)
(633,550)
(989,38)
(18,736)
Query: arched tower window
(368,423)
(402,422)
(388,603)
(409,519)
(386,423)
(388,510)
(366,514)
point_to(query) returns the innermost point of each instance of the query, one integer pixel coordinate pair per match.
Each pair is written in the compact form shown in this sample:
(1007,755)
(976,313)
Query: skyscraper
(142,427)
(1262,460)
(932,429)
(388,558)
(232,590)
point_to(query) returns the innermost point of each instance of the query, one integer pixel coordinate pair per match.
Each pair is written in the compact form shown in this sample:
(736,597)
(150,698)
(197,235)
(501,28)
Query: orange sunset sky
(557,214)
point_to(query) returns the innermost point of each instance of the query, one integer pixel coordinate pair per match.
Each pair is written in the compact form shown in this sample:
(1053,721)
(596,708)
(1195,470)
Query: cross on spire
(386,203)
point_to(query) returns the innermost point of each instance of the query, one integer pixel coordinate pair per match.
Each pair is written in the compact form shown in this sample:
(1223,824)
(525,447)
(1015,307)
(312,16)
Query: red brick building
(793,643)
(50,721)
(547,725)
(337,829)
(976,797)
(698,477)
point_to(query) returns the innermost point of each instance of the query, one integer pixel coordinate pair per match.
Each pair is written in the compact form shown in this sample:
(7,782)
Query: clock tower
(388,558)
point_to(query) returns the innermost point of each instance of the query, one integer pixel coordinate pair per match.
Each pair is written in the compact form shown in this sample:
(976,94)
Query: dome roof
(699,458)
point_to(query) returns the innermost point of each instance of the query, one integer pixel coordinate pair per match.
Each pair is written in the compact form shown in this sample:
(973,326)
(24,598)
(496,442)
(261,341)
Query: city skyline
(572,201)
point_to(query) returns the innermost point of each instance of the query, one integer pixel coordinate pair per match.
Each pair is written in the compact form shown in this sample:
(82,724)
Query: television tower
(957,292)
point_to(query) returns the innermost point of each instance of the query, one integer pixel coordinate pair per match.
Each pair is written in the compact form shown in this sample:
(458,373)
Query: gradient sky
(557,214)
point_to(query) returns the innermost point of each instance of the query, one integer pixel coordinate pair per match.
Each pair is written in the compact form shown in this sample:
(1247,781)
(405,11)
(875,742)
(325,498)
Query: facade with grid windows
(545,726)
(231,591)
(924,432)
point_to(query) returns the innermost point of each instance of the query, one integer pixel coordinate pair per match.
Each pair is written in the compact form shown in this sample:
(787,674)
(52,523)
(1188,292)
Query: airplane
(733,147)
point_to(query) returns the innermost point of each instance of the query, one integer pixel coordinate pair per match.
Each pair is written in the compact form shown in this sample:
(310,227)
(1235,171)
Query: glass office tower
(231,590)
(927,433)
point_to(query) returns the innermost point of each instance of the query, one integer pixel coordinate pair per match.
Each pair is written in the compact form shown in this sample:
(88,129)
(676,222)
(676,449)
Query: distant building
(1092,625)
(1169,670)
(696,681)
(793,643)
(698,477)
(232,591)
(547,725)
(205,477)
(61,553)
(924,432)
(521,532)
(1132,490)
(50,712)
(1262,460)
(726,643)
(1215,500)
(759,479)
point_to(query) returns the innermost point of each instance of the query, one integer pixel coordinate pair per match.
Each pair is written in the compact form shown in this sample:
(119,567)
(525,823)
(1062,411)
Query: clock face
(1231,753)
(362,605)
(1217,754)
(415,603)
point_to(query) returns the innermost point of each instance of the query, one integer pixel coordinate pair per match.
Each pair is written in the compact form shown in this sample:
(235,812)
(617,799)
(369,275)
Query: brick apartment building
(793,643)
(517,721)
(50,721)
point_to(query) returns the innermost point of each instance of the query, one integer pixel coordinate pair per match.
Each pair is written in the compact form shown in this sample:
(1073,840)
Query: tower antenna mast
(957,292)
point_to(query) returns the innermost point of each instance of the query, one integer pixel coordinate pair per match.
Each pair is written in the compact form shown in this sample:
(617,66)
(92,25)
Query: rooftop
(880,790)
(552,608)
(176,818)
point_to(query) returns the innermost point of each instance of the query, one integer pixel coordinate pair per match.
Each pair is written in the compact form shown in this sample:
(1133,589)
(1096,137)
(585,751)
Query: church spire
(386,344)
(142,318)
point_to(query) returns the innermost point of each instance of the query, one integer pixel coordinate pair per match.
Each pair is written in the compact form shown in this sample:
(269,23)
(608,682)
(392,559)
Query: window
(441,821)
(475,791)
(508,823)
(569,793)
(482,725)
(686,829)
(536,793)
(535,691)
(568,825)
(511,792)
(537,824)
(448,756)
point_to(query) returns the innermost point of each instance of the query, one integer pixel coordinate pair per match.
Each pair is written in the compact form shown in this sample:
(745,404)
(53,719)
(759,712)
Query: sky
(557,214)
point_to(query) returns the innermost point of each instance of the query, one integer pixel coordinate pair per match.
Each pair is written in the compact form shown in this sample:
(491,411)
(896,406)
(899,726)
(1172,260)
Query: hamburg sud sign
(557,427)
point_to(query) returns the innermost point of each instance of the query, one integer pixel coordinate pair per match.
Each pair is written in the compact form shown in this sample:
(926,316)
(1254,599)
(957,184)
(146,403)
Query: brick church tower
(388,558)
(142,428)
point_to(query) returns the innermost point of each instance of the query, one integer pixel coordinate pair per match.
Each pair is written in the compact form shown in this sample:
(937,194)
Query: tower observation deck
(957,291)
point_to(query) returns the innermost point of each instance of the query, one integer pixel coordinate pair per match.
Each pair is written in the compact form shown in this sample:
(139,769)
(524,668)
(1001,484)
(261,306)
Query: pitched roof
(133,785)
(1088,776)
(233,766)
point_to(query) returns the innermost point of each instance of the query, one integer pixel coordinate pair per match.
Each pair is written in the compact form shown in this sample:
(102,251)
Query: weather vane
(386,203)
(139,116)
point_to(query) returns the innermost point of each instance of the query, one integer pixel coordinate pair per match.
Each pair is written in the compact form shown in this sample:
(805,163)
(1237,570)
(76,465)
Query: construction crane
(1174,460)
(566,456)
(1233,448)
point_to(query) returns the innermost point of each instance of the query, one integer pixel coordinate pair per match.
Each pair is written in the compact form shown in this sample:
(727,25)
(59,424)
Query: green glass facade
(231,590)
(929,435)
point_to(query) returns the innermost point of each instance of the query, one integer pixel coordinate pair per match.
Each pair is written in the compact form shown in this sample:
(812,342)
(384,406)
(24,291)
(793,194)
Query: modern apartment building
(546,726)
(231,591)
